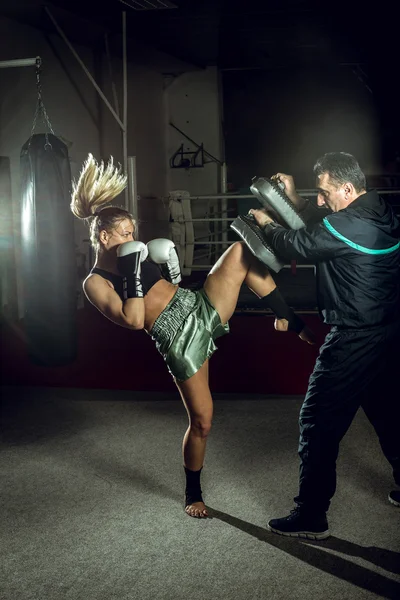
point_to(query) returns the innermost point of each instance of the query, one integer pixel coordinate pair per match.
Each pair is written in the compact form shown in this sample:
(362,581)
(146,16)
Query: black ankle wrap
(276,302)
(193,489)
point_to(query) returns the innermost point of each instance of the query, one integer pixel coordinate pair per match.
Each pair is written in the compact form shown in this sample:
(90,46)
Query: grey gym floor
(92,503)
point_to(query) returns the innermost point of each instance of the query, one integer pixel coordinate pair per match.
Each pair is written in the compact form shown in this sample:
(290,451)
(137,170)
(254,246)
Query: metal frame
(381,192)
(187,163)
(19,62)
(130,199)
(132,186)
(148,4)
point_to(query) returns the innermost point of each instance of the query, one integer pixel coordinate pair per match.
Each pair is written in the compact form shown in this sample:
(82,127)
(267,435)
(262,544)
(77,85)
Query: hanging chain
(40,112)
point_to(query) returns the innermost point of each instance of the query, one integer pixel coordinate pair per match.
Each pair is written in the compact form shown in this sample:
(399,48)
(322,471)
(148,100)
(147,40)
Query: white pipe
(203,220)
(132,187)
(19,62)
(300,192)
(61,33)
(388,191)
(110,69)
(204,267)
(224,201)
(125,107)
(218,196)
(206,243)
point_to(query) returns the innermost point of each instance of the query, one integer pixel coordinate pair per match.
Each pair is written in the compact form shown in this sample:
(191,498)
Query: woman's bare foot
(306,334)
(281,324)
(197,510)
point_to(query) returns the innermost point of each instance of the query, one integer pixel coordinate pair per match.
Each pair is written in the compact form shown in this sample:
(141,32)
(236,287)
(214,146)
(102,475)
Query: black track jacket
(357,256)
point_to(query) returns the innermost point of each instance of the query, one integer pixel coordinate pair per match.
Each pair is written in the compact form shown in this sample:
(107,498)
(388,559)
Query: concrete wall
(284,120)
(193,104)
(146,140)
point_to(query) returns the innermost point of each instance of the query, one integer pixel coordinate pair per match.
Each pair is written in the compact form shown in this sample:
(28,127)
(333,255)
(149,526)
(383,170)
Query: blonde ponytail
(97,185)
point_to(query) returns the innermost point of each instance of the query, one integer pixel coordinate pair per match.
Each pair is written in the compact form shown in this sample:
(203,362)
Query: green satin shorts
(185,332)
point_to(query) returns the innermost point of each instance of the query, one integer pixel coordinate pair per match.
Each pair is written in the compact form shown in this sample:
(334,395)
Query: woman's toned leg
(196,396)
(237,266)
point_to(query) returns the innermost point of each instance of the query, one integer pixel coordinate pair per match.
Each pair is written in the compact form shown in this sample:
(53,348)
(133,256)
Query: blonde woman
(135,286)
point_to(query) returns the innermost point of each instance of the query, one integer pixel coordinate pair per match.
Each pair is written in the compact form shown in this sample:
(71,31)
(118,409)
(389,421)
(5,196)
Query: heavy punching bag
(48,251)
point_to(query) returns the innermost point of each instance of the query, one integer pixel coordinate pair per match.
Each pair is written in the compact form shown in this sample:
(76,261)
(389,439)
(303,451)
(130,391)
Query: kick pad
(273,198)
(247,229)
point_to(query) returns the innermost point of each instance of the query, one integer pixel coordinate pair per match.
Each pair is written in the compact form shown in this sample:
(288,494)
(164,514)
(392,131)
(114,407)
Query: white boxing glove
(163,252)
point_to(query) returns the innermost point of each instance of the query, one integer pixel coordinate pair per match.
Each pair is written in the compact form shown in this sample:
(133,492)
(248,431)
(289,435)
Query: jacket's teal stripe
(357,246)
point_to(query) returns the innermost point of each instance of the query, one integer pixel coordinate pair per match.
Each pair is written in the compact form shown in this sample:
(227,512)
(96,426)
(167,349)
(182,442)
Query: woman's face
(123,232)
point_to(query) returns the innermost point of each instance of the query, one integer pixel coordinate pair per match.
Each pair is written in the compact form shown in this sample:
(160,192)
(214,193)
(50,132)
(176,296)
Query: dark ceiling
(236,35)
(233,34)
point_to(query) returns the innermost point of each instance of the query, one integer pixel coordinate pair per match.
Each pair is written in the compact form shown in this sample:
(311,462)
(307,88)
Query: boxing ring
(215,236)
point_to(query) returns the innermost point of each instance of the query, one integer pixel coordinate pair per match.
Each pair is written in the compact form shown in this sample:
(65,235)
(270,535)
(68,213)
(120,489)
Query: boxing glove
(163,252)
(129,258)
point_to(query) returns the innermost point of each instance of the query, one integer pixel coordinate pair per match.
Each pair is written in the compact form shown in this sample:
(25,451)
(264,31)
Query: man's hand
(288,182)
(290,189)
(261,216)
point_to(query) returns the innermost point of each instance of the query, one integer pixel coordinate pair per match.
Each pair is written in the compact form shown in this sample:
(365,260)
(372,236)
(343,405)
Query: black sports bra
(150,274)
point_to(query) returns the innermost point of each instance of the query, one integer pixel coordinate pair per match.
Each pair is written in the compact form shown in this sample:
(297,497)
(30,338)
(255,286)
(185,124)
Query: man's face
(331,194)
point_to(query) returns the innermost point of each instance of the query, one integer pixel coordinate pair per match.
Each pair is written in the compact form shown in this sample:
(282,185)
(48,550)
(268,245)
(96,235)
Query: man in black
(356,250)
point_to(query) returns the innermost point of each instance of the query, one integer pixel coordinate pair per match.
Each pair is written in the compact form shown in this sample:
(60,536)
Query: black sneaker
(394,497)
(301,525)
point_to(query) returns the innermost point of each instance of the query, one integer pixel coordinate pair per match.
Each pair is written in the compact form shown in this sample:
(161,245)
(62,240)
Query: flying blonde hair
(97,185)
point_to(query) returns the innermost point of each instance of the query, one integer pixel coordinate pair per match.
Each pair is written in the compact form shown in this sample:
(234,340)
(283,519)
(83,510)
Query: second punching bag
(48,251)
